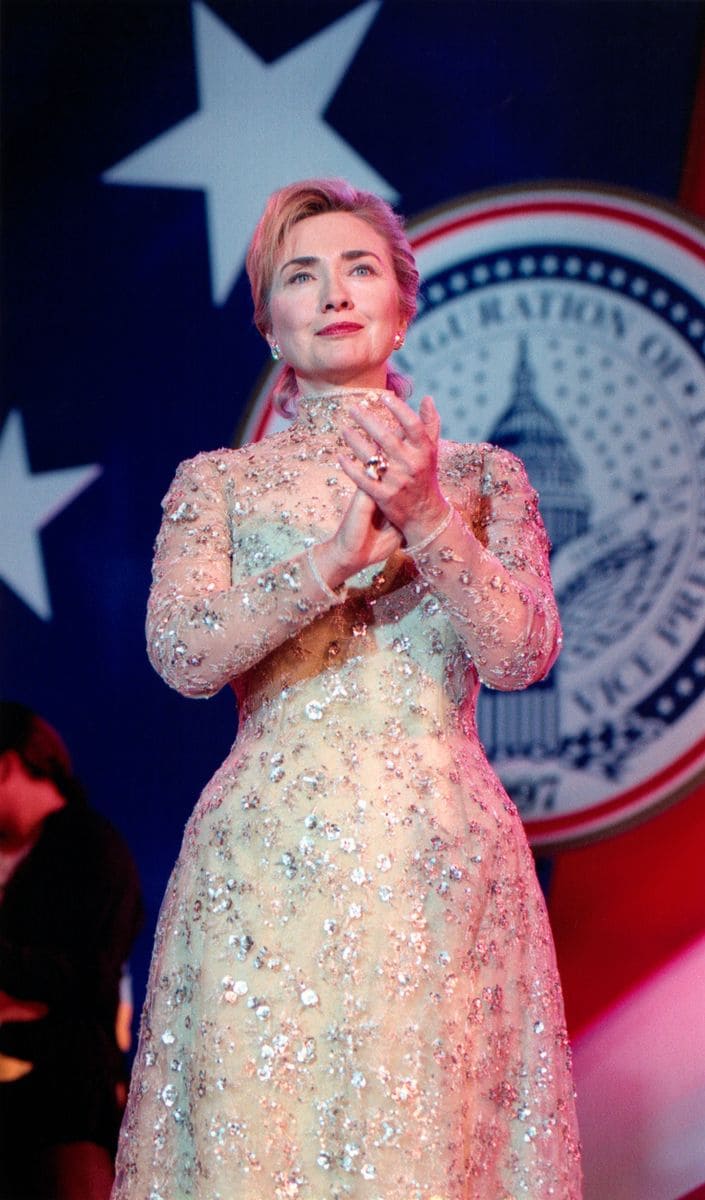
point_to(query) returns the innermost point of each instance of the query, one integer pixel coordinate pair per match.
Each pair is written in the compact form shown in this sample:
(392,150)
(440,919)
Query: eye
(300,277)
(363,269)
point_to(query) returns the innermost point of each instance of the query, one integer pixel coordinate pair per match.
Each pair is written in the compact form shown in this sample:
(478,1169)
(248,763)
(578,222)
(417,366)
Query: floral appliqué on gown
(354,991)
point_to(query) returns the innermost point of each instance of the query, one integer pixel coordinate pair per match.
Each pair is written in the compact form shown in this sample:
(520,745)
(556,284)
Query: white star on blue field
(28,502)
(259,125)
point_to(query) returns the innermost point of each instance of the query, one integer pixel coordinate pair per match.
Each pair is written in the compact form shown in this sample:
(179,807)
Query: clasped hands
(399,502)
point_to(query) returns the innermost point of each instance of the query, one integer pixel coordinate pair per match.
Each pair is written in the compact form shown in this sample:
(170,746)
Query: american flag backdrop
(139,141)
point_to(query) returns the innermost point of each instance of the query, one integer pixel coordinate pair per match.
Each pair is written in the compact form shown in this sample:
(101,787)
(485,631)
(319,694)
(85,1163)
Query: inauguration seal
(568,325)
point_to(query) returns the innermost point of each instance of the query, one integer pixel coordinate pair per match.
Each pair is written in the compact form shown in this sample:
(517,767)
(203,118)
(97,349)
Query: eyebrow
(308,260)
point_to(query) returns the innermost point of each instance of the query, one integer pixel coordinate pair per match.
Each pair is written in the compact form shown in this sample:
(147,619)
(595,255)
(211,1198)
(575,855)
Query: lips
(339,328)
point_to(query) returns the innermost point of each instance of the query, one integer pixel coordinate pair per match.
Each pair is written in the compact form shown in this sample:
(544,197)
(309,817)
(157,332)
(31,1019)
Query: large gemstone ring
(376,466)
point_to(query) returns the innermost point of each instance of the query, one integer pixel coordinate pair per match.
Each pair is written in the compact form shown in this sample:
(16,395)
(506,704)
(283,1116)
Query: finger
(410,422)
(355,472)
(390,439)
(393,453)
(361,504)
(363,508)
(381,438)
(361,446)
(431,417)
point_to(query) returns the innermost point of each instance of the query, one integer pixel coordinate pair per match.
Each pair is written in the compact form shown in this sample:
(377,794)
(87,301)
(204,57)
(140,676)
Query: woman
(354,991)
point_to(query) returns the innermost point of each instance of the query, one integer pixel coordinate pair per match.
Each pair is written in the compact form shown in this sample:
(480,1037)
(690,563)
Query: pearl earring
(275,351)
(398,340)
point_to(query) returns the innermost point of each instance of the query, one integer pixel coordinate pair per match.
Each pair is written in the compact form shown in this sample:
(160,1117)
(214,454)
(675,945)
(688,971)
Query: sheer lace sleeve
(490,571)
(203,630)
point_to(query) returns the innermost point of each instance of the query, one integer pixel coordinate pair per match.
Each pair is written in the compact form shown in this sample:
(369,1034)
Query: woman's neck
(328,412)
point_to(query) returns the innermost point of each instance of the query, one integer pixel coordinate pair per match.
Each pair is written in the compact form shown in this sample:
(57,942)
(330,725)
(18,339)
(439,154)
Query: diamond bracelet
(441,528)
(335,595)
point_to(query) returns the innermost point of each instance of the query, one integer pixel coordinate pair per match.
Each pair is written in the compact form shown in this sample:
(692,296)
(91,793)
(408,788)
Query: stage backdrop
(550,157)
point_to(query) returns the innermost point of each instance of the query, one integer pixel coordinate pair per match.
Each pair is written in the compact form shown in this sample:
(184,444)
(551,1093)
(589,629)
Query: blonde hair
(309,198)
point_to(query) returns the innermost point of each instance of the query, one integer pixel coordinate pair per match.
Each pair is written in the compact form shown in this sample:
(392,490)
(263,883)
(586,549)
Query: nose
(336,302)
(335,297)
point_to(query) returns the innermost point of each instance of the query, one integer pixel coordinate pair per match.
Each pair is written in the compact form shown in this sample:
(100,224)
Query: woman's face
(334,303)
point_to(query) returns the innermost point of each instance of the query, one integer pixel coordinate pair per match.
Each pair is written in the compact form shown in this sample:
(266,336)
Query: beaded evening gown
(353,991)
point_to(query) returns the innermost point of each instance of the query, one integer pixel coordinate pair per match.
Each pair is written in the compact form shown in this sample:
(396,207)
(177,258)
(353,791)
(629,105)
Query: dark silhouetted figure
(70,908)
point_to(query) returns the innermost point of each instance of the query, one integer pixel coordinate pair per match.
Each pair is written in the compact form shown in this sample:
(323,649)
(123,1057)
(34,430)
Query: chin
(349,371)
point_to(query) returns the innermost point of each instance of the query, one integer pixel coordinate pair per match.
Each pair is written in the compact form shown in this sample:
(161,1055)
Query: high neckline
(327,412)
